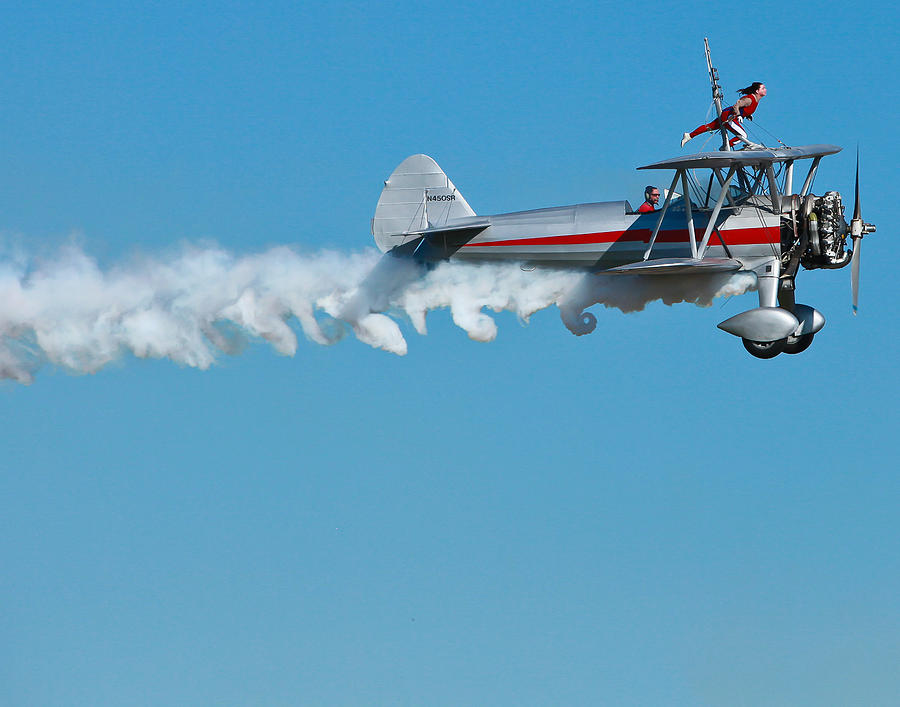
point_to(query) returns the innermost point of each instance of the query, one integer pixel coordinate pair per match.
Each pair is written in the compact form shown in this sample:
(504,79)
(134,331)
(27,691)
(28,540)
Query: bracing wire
(757,125)
(694,185)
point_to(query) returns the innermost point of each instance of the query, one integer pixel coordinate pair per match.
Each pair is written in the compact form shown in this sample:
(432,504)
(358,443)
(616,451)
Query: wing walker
(737,210)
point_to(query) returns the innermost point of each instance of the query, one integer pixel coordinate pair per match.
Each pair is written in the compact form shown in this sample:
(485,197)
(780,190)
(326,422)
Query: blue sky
(645,515)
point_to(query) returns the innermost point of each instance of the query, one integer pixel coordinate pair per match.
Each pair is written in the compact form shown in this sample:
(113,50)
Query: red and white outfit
(731,121)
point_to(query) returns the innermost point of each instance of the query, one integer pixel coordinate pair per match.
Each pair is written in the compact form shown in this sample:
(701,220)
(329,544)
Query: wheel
(796,344)
(765,349)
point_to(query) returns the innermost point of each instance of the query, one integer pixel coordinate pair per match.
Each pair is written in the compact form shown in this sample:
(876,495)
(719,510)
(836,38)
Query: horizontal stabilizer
(461,233)
(476,225)
(676,266)
(441,242)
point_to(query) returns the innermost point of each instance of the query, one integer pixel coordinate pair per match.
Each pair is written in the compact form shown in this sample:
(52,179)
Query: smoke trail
(631,293)
(190,308)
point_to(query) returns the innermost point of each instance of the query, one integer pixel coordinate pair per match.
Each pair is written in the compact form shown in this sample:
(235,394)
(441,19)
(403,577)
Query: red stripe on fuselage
(733,236)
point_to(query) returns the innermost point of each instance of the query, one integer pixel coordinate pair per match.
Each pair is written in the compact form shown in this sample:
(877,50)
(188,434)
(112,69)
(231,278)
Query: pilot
(732,116)
(651,199)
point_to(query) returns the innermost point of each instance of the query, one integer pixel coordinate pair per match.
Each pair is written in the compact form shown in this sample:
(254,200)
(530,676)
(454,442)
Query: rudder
(417,195)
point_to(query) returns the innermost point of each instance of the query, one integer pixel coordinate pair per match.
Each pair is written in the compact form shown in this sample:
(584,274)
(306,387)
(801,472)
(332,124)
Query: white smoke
(631,293)
(68,312)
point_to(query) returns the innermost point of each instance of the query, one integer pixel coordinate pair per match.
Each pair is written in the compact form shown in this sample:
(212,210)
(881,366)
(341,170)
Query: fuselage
(605,234)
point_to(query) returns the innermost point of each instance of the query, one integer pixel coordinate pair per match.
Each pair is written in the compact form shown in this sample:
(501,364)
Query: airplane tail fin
(416,196)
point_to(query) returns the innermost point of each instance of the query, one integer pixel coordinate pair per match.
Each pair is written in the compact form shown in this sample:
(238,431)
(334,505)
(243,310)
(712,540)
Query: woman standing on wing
(732,116)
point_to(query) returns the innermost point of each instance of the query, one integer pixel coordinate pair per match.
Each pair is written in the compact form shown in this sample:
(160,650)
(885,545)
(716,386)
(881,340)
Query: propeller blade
(858,229)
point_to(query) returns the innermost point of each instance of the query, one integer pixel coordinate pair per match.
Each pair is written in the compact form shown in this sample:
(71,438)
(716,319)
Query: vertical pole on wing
(717,93)
(662,213)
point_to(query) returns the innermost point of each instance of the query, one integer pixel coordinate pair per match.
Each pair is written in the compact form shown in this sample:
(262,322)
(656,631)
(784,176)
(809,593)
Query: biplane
(737,210)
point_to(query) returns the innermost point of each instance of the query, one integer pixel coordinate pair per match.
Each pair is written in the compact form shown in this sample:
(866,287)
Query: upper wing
(712,160)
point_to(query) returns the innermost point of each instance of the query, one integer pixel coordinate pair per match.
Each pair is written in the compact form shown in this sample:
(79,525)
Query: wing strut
(721,179)
(789,177)
(807,183)
(687,213)
(662,213)
(773,188)
(722,241)
(715,213)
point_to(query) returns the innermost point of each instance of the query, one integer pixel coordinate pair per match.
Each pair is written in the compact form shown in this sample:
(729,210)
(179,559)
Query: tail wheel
(765,349)
(796,344)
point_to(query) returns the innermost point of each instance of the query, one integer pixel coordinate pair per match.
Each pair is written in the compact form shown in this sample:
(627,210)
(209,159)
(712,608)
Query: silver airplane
(741,218)
(736,211)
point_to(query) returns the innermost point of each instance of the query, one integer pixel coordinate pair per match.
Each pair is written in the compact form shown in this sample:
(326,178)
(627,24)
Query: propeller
(858,228)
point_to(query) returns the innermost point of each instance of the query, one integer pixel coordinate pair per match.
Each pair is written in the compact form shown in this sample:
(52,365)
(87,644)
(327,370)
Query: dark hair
(752,88)
(647,191)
